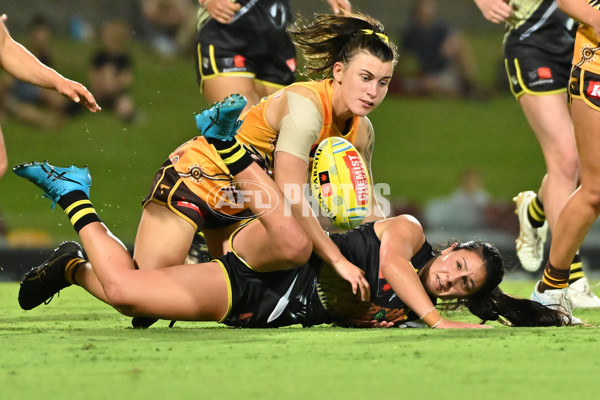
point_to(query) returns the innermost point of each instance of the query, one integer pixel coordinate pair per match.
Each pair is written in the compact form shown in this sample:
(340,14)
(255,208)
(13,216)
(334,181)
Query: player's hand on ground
(495,11)
(78,93)
(356,277)
(448,324)
(221,10)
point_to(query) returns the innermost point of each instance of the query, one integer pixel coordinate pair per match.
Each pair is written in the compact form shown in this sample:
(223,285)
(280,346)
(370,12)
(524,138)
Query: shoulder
(402,229)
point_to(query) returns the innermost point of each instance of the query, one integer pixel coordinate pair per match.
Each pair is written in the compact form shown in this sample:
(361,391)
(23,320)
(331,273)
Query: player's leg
(289,243)
(550,119)
(162,238)
(582,208)
(218,87)
(181,292)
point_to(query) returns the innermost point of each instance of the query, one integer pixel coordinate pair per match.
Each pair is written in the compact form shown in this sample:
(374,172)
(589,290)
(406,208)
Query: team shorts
(534,70)
(272,299)
(585,85)
(196,185)
(255,45)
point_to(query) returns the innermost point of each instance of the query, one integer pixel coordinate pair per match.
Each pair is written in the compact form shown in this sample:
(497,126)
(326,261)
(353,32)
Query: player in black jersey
(242,47)
(538,48)
(405,275)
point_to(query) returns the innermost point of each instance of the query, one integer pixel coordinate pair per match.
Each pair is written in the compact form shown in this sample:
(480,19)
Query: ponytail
(518,312)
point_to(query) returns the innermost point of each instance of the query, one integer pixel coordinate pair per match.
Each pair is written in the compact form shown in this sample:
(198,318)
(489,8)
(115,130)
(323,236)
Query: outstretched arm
(19,62)
(401,238)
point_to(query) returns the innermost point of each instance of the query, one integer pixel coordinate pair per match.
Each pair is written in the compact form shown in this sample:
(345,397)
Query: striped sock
(71,269)
(576,269)
(79,209)
(535,212)
(233,154)
(554,278)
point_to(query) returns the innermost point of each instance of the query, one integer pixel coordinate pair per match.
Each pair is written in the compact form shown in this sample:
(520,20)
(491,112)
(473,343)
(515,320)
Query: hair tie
(381,36)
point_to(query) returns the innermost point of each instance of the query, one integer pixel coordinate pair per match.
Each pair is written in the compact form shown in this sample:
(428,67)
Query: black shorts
(273,299)
(255,45)
(585,85)
(538,53)
(168,189)
(536,71)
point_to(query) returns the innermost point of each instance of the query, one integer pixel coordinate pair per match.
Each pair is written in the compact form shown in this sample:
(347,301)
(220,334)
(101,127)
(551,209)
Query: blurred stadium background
(422,145)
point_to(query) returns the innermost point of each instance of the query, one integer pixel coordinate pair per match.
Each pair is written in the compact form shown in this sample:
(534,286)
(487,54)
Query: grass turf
(77,347)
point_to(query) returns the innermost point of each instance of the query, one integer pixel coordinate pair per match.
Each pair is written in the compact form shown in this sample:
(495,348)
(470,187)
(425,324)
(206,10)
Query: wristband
(427,312)
(437,323)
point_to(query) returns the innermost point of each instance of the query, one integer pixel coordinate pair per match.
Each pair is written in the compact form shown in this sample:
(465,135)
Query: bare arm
(581,11)
(19,62)
(221,10)
(495,11)
(364,144)
(401,238)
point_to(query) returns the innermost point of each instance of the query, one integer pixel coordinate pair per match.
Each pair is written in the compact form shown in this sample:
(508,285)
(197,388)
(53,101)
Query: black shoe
(198,252)
(142,322)
(41,283)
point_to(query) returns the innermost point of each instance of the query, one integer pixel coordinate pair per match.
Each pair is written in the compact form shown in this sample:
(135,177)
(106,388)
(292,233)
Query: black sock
(232,153)
(576,269)
(535,213)
(79,209)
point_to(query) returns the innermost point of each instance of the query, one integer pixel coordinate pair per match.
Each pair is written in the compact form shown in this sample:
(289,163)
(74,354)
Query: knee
(591,194)
(294,249)
(117,295)
(563,163)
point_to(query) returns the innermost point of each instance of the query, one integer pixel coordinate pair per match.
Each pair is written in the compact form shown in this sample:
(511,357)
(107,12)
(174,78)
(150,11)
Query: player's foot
(198,252)
(142,322)
(220,120)
(581,294)
(556,299)
(41,283)
(55,181)
(530,243)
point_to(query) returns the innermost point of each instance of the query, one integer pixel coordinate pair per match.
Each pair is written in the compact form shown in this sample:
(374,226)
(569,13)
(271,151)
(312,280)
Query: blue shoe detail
(55,181)
(220,120)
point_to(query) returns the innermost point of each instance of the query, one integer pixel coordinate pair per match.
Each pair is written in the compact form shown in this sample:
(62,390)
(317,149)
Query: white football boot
(556,299)
(581,294)
(530,243)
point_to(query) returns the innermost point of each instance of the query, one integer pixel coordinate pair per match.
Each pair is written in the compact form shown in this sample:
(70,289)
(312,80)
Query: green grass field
(79,348)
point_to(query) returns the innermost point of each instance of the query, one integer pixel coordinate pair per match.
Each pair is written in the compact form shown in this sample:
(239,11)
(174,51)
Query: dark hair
(490,303)
(329,38)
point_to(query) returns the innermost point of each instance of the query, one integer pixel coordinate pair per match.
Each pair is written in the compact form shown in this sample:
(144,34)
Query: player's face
(455,274)
(363,84)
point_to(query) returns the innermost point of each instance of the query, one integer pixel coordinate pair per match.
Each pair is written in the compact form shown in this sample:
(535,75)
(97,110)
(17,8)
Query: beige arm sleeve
(300,128)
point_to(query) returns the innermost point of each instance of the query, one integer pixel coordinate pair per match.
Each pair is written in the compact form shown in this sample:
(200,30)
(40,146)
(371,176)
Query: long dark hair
(329,38)
(490,303)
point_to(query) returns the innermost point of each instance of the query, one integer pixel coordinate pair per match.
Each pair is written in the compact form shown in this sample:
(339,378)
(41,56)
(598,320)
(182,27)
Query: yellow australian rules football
(340,182)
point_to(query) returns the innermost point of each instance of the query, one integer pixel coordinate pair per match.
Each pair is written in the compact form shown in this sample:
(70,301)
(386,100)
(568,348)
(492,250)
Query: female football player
(406,275)
(583,206)
(538,49)
(243,47)
(194,191)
